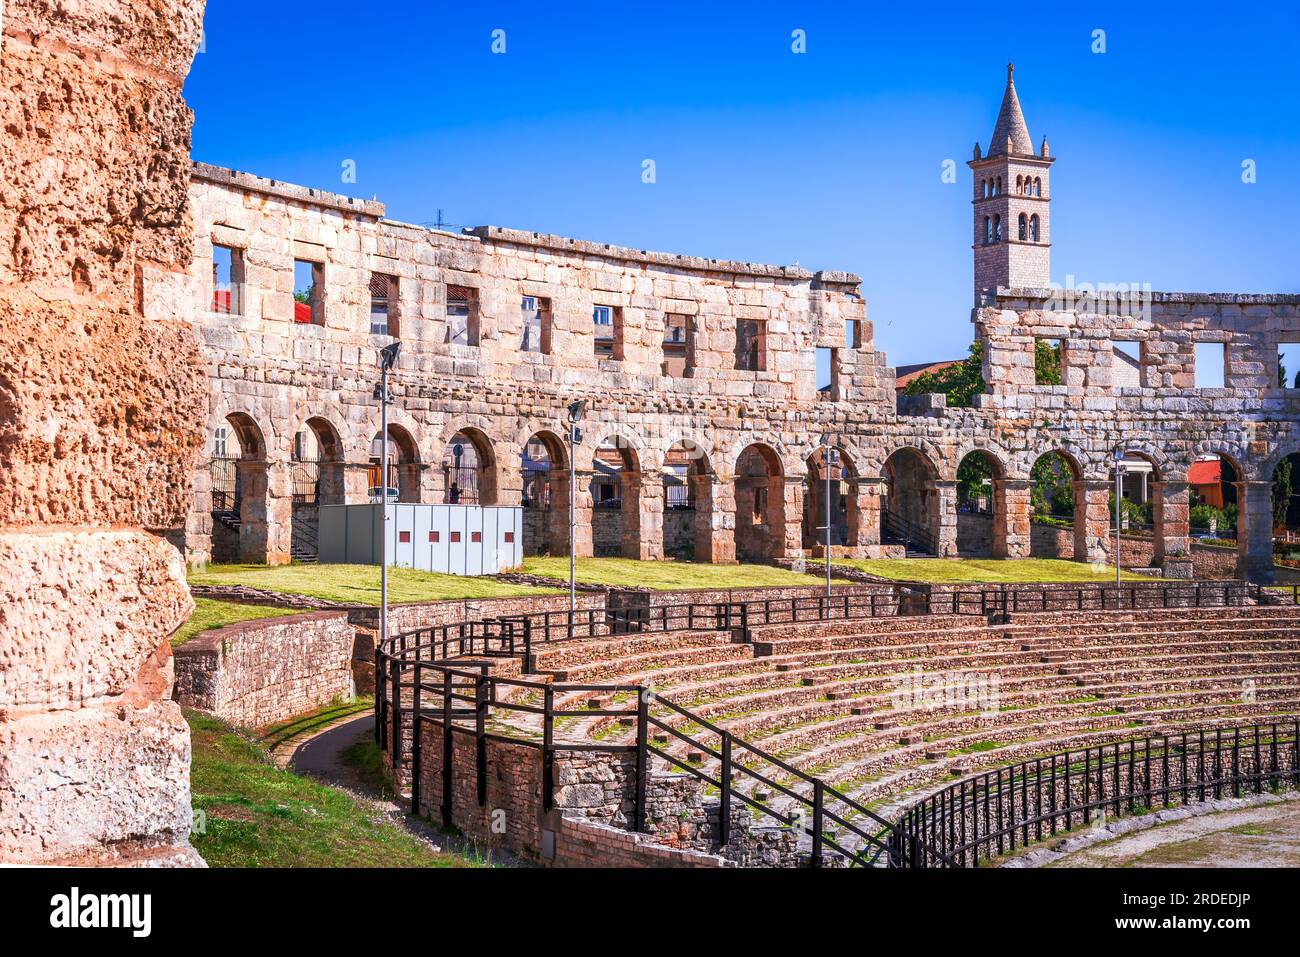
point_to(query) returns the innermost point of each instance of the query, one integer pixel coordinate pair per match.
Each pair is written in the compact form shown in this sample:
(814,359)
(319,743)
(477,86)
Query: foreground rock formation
(99,428)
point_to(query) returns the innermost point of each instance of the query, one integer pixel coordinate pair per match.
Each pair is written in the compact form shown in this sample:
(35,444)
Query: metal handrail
(987,814)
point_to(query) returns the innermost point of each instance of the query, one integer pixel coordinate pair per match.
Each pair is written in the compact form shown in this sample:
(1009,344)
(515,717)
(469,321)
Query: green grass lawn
(210,613)
(950,570)
(359,584)
(666,576)
(256,815)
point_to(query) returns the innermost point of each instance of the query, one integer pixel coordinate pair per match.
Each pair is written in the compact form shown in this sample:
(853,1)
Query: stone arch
(405,466)
(844,504)
(248,521)
(1068,509)
(316,478)
(759,483)
(981,504)
(469,470)
(911,511)
(688,495)
(544,495)
(615,490)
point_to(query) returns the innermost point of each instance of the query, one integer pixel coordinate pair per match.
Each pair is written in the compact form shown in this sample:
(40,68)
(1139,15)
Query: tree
(1281,492)
(1047,363)
(959,382)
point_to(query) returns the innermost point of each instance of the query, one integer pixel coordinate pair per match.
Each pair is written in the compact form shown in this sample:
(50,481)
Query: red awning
(302,312)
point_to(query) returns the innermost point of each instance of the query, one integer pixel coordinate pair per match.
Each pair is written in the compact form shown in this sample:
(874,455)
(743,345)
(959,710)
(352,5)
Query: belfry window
(997,229)
(1024,227)
(1033,228)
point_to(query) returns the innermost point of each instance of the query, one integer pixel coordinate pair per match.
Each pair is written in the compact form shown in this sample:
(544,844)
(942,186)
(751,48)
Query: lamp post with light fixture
(1119,494)
(576,412)
(387,360)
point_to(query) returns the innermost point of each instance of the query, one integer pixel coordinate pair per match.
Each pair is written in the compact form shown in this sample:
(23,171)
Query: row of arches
(761,501)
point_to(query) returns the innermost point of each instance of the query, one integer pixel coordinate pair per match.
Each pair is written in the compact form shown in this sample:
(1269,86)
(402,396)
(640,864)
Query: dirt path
(320,756)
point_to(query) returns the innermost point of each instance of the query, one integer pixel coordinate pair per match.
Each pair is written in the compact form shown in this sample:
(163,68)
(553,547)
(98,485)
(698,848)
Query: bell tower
(1012,204)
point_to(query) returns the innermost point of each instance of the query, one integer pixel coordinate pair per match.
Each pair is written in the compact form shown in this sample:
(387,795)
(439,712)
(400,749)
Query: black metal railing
(996,812)
(908,533)
(439,665)
(463,698)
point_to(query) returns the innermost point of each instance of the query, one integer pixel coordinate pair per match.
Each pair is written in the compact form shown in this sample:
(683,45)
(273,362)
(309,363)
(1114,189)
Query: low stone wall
(593,809)
(256,673)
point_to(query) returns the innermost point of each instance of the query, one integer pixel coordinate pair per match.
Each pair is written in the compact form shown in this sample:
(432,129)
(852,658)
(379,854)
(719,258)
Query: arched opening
(1212,502)
(615,499)
(1024,227)
(469,470)
(909,512)
(843,505)
(988,230)
(1033,228)
(545,495)
(980,518)
(1038,186)
(1056,505)
(997,229)
(402,473)
(237,470)
(1286,508)
(688,502)
(760,504)
(316,477)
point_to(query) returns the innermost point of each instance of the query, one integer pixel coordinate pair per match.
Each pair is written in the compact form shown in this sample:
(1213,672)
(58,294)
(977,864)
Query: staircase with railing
(917,540)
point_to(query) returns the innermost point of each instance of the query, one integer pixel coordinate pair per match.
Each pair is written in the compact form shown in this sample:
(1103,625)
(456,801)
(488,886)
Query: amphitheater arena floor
(1265,836)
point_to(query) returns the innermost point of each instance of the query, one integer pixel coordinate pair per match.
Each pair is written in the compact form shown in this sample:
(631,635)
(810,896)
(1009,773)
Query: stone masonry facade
(101,414)
(704,415)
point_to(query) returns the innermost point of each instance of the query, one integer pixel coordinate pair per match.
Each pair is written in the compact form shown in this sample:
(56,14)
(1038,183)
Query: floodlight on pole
(387,361)
(829,459)
(1119,493)
(575,413)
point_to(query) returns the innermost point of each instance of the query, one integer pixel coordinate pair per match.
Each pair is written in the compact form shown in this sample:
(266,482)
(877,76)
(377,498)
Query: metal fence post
(818,815)
(548,748)
(448,750)
(724,820)
(642,757)
(415,743)
(480,735)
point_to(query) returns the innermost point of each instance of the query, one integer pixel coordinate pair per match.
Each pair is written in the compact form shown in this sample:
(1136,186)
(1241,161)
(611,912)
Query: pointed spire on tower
(1010,135)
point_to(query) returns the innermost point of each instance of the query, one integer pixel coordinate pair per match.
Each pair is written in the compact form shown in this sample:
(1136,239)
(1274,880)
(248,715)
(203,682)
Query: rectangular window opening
(227,280)
(678,345)
(1126,364)
(308,292)
(404,537)
(607,326)
(751,345)
(455,536)
(535,319)
(1288,365)
(1211,364)
(462,316)
(827,372)
(433,537)
(476,536)
(383,305)
(1049,369)
(509,537)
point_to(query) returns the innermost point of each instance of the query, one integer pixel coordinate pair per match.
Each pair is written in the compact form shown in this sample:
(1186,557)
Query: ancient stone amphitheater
(809,726)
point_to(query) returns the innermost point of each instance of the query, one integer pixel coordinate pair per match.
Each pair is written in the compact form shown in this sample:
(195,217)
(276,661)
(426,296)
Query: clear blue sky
(831,158)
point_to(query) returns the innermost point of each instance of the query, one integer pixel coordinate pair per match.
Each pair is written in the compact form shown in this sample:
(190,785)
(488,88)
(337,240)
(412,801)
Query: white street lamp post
(828,461)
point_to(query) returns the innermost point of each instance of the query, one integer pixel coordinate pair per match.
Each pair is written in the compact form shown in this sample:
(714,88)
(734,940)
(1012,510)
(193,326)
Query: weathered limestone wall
(100,426)
(271,378)
(255,673)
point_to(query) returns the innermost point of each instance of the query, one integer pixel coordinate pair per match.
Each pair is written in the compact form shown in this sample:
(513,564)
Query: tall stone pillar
(1012,518)
(509,485)
(1170,514)
(198,519)
(643,515)
(332,483)
(103,401)
(944,503)
(583,538)
(864,514)
(1092,520)
(356,483)
(1255,532)
(411,482)
(715,519)
(557,515)
(788,537)
(265,512)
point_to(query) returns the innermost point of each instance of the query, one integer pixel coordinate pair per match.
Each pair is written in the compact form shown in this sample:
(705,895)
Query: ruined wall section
(100,414)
